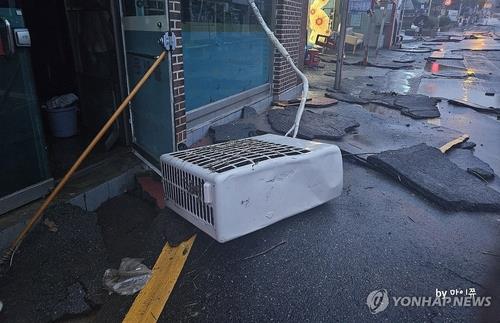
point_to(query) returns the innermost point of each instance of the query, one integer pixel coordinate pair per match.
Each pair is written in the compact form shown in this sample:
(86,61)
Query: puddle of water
(470,90)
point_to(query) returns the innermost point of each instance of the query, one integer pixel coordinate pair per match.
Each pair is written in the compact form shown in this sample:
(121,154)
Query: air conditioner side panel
(264,194)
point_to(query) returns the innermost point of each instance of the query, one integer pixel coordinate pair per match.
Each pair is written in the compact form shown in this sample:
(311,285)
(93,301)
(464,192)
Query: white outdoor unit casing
(234,188)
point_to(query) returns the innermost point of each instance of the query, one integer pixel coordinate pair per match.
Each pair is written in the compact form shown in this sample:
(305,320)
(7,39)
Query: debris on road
(416,106)
(345,97)
(130,277)
(466,145)
(316,102)
(465,159)
(314,125)
(444,55)
(474,106)
(232,131)
(51,225)
(429,172)
(413,50)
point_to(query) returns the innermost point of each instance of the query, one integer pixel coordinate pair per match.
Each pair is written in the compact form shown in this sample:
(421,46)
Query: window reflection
(143,7)
(225,49)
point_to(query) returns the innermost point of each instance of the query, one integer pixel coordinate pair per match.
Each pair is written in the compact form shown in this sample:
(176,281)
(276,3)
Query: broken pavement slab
(232,131)
(315,102)
(378,133)
(474,106)
(437,55)
(413,50)
(404,60)
(428,171)
(313,125)
(345,97)
(466,145)
(418,106)
(465,159)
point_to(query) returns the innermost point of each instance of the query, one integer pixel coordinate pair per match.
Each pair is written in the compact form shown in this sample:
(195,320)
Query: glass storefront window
(143,7)
(225,49)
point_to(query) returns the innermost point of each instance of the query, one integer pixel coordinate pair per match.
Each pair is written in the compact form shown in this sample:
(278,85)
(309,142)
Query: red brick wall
(178,72)
(289,29)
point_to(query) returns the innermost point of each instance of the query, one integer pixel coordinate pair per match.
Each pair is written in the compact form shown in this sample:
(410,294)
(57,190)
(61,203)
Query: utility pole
(381,31)
(341,43)
(368,36)
(402,17)
(429,9)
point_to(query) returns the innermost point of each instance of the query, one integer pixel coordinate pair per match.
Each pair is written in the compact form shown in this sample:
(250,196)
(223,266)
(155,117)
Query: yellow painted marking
(149,304)
(454,142)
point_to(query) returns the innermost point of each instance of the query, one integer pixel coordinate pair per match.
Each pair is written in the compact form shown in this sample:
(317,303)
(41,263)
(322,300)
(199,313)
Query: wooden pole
(38,214)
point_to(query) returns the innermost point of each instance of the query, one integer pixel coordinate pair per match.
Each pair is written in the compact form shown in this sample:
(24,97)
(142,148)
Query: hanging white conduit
(286,55)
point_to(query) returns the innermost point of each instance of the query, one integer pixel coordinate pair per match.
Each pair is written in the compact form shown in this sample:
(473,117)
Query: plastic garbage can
(63,121)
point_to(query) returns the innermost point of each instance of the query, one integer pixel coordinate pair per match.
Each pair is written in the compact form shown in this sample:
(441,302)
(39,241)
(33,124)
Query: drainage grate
(186,190)
(233,154)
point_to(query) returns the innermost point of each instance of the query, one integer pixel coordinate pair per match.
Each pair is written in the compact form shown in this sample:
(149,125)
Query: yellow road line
(149,304)
(454,142)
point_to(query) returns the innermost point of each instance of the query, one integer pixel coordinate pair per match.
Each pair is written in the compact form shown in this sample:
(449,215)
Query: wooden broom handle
(37,215)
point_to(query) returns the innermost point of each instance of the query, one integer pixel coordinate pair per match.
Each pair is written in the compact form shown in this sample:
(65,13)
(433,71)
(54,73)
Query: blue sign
(360,5)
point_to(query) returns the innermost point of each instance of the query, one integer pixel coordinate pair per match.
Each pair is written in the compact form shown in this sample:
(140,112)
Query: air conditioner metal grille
(186,190)
(230,155)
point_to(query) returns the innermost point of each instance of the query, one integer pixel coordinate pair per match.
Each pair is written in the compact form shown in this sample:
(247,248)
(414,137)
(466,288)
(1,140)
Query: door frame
(136,149)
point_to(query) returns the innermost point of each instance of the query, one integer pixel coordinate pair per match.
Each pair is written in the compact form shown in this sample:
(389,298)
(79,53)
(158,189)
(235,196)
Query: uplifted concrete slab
(445,55)
(232,131)
(413,50)
(385,98)
(466,145)
(313,125)
(465,159)
(378,133)
(414,105)
(429,172)
(418,106)
(475,106)
(345,97)
(404,60)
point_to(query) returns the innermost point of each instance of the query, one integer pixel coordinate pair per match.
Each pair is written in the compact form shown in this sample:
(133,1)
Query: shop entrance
(72,48)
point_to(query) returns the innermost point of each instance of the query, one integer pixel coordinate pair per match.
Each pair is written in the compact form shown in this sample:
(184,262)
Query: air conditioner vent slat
(234,154)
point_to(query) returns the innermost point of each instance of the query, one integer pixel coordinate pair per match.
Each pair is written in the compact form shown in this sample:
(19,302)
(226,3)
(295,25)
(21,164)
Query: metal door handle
(10,37)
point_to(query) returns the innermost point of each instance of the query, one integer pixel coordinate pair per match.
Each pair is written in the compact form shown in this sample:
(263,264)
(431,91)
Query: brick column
(174,7)
(289,30)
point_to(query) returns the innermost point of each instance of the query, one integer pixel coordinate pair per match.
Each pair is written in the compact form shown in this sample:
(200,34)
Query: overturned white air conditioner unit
(234,188)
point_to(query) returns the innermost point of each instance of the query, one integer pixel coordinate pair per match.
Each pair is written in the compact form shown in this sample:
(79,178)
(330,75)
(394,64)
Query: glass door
(151,110)
(24,174)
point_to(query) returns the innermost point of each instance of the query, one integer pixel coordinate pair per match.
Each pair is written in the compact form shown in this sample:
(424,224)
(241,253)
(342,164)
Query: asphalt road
(377,235)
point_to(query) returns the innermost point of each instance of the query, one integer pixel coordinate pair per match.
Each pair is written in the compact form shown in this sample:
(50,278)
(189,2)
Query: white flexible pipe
(286,55)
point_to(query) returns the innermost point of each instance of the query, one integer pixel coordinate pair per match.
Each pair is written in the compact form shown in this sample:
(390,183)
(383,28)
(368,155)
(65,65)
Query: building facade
(99,49)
